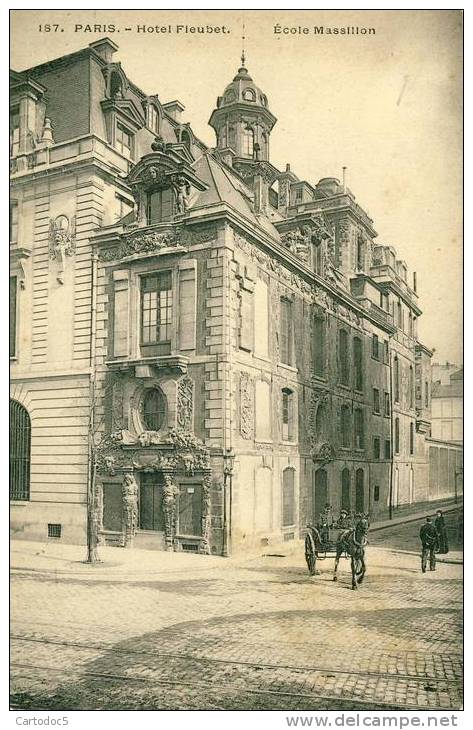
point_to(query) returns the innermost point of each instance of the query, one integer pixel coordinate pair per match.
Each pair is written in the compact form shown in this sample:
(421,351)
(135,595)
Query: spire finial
(243,59)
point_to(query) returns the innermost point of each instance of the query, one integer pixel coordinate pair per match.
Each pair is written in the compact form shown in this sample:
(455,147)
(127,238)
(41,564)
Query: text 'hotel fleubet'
(205,350)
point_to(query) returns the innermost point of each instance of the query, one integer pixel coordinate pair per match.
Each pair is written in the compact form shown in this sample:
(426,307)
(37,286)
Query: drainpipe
(91,531)
(228,455)
(391,421)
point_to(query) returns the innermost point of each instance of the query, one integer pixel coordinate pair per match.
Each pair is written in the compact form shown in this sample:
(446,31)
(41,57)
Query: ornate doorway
(150,496)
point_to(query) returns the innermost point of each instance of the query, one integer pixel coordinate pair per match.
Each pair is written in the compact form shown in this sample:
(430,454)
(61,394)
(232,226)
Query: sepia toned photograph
(236,362)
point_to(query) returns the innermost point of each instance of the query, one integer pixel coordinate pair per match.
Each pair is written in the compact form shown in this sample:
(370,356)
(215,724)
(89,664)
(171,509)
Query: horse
(353,543)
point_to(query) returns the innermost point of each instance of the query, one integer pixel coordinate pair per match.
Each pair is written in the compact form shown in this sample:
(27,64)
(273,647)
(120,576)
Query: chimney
(414,276)
(344,178)
(261,194)
(174,109)
(105,48)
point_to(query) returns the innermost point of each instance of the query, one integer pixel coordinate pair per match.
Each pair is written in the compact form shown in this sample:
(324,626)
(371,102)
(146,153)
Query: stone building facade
(207,350)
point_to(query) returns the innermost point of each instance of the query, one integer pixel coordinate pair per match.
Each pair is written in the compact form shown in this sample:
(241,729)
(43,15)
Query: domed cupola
(242,120)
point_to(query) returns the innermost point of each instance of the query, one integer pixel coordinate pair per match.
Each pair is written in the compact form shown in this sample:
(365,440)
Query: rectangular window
(261,317)
(246,320)
(397,436)
(159,206)
(387,404)
(54,529)
(376,492)
(286,332)
(124,141)
(387,449)
(14,132)
(375,347)
(376,402)
(358,363)
(319,346)
(13,315)
(386,352)
(359,429)
(123,207)
(153,119)
(376,448)
(287,414)
(13,222)
(156,310)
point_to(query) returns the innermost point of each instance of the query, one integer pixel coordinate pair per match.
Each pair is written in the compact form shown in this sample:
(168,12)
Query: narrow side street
(253,634)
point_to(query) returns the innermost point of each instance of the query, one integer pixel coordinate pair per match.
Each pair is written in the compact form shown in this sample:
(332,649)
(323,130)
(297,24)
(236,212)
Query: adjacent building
(206,350)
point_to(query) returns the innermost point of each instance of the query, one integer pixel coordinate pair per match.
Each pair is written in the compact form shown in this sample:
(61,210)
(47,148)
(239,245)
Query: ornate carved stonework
(323,452)
(298,242)
(62,241)
(246,406)
(149,242)
(176,453)
(130,507)
(185,403)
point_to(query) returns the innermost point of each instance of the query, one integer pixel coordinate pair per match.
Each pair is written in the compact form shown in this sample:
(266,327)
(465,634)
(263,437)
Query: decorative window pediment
(165,169)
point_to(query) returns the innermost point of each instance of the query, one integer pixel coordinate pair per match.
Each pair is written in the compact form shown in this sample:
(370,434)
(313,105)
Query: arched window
(248,142)
(320,494)
(321,421)
(287,414)
(396,379)
(345,427)
(359,491)
(230,96)
(345,502)
(343,364)
(20,452)
(358,363)
(288,500)
(154,409)
(249,95)
(359,429)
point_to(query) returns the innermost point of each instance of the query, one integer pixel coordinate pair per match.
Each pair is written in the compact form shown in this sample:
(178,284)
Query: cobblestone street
(228,634)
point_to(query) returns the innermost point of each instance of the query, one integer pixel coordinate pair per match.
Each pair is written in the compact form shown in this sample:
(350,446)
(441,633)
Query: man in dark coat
(429,540)
(312,541)
(441,532)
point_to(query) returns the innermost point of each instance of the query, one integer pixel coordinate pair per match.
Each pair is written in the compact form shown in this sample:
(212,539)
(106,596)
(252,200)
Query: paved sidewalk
(61,559)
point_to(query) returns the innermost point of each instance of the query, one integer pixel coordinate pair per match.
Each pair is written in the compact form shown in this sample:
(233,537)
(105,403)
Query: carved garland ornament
(143,242)
(185,403)
(246,406)
(62,241)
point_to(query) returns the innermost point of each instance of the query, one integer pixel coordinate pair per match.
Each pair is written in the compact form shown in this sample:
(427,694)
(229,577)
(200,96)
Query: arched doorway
(320,495)
(360,490)
(345,502)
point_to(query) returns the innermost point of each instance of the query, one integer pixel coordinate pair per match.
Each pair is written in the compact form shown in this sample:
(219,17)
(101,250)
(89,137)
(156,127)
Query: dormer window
(152,118)
(249,95)
(14,132)
(124,141)
(159,206)
(248,142)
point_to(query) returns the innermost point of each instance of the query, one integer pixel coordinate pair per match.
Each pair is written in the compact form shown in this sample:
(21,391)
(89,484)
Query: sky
(387,105)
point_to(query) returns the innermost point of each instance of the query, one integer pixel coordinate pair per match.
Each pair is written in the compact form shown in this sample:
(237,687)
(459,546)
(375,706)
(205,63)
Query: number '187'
(48,28)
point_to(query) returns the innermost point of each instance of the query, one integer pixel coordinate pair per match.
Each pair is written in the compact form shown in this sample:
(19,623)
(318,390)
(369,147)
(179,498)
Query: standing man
(441,532)
(429,540)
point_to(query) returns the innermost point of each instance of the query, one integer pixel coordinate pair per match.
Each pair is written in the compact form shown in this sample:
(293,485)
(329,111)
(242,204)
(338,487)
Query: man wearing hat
(429,539)
(344,522)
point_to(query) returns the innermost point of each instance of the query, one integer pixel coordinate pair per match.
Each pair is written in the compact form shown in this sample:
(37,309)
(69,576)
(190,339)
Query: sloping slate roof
(453,390)
(457,375)
(225,187)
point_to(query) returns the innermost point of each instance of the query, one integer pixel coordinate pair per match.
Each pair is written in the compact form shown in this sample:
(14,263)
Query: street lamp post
(228,459)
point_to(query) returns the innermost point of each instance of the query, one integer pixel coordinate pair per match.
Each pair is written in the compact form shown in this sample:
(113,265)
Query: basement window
(54,530)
